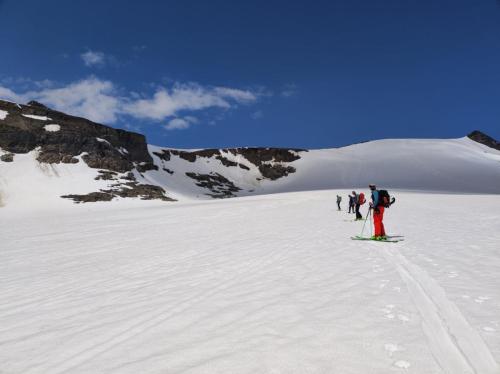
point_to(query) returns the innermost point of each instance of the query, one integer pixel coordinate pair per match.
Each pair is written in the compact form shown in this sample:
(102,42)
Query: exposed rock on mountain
(60,138)
(482,138)
(122,158)
(220,186)
(82,161)
(269,161)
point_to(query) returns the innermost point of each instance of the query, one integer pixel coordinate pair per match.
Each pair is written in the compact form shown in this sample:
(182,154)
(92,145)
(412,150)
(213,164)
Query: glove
(377,210)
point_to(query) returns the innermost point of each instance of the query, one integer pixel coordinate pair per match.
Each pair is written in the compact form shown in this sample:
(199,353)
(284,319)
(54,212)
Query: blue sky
(310,74)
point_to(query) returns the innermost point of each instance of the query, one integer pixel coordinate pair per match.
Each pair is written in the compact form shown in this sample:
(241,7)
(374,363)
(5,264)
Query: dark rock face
(130,189)
(36,104)
(276,171)
(268,160)
(257,156)
(90,198)
(482,138)
(106,175)
(220,186)
(8,157)
(105,147)
(100,147)
(120,155)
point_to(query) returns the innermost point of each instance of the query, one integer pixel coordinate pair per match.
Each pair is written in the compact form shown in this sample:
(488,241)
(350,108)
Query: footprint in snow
(388,310)
(383,283)
(392,348)
(377,269)
(402,364)
(403,318)
(452,274)
(482,299)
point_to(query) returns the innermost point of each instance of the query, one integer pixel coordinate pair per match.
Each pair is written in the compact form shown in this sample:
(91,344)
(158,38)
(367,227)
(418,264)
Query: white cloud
(241,96)
(93,58)
(100,101)
(8,94)
(186,97)
(91,98)
(181,123)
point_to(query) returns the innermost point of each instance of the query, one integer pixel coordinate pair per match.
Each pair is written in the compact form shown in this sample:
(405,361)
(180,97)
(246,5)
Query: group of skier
(379,201)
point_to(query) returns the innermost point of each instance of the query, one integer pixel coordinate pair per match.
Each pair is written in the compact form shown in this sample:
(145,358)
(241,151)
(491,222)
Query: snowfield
(262,284)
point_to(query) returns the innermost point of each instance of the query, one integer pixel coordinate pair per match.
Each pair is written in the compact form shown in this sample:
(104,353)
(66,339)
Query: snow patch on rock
(3,114)
(40,118)
(52,127)
(102,140)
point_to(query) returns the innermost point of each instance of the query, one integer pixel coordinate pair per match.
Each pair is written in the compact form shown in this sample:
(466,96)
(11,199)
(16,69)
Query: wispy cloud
(8,94)
(187,97)
(181,123)
(93,58)
(289,90)
(102,101)
(257,114)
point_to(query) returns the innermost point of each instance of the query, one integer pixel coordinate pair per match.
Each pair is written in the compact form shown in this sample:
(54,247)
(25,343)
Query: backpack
(384,199)
(361,198)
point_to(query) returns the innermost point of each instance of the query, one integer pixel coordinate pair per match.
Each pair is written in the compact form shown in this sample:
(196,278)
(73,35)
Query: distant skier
(378,213)
(339,200)
(351,204)
(358,201)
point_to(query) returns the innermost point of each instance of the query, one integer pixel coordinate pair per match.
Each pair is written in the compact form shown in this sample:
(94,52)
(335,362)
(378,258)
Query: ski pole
(371,227)
(366,219)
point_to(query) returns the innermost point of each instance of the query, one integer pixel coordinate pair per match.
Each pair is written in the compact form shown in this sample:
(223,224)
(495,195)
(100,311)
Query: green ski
(377,240)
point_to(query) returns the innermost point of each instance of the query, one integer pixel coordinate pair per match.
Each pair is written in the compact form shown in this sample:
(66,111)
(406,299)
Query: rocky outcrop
(271,162)
(26,128)
(126,190)
(220,186)
(8,157)
(61,138)
(482,138)
(275,171)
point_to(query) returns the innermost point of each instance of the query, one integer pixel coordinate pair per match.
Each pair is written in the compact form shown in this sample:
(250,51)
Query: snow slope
(455,165)
(26,184)
(261,284)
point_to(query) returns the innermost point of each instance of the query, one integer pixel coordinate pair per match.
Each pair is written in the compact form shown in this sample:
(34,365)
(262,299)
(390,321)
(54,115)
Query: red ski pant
(378,217)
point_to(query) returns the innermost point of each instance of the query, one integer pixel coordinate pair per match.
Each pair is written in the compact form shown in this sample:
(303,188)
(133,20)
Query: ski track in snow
(268,284)
(455,344)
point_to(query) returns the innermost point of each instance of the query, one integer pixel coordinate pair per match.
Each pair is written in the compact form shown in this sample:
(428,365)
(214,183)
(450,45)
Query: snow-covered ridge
(448,165)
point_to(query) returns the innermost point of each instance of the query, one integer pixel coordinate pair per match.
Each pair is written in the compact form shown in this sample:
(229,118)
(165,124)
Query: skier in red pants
(378,214)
